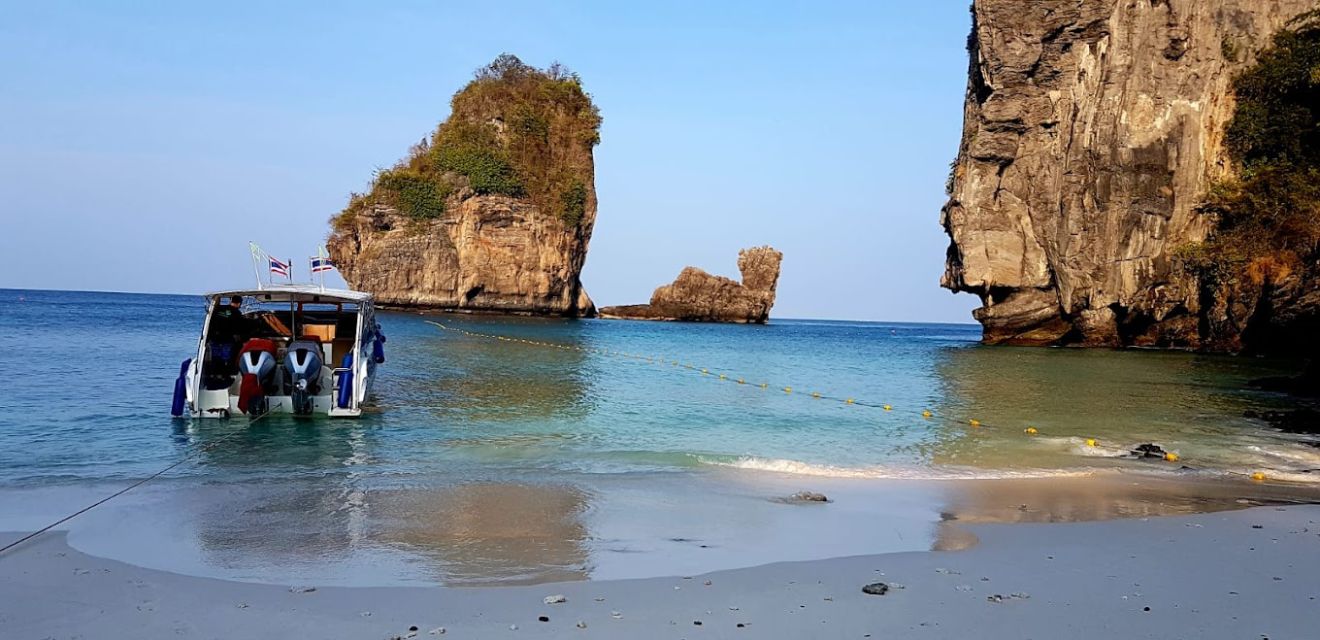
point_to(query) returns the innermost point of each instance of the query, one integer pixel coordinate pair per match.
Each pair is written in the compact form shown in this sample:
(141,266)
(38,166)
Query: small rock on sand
(543,618)
(808,496)
(876,589)
(581,624)
(438,631)
(555,599)
(301,589)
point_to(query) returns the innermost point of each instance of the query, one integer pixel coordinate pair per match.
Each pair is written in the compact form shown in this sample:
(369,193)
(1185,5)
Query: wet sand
(1236,574)
(352,534)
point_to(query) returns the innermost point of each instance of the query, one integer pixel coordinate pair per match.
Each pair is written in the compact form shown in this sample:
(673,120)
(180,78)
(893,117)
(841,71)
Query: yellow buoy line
(925,414)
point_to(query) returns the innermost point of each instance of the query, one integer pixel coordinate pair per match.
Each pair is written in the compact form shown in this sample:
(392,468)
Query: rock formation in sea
(1093,131)
(698,296)
(492,213)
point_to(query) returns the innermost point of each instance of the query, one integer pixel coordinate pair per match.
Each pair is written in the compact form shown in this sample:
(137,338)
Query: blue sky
(141,146)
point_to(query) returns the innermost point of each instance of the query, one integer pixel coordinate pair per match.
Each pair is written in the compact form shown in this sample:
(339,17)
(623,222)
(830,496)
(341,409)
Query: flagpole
(253,250)
(320,253)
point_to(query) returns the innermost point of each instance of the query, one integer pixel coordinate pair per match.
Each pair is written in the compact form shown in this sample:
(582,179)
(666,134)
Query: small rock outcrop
(492,213)
(697,296)
(1093,130)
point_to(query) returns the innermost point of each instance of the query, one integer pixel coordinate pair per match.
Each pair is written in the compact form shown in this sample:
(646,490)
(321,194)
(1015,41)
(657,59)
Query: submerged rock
(698,296)
(1149,451)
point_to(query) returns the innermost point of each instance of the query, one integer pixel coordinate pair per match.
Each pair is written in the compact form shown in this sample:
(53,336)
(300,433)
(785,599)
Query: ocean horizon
(773,318)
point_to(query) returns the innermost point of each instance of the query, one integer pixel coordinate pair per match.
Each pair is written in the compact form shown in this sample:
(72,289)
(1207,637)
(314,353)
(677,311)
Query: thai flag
(320,264)
(279,268)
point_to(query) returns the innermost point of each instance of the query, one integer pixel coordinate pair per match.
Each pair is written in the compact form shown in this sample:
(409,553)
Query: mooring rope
(925,414)
(200,450)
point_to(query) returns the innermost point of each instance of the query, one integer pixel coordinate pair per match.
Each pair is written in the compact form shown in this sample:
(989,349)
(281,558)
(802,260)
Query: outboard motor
(304,362)
(256,363)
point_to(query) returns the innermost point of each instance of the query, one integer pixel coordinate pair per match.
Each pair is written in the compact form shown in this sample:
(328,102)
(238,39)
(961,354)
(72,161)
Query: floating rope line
(200,450)
(924,414)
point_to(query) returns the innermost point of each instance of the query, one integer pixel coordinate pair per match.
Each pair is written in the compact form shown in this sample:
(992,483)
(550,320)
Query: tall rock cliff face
(698,296)
(1092,130)
(493,213)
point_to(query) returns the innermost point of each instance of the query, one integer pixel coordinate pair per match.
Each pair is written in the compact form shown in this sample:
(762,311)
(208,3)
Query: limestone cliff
(494,212)
(1092,130)
(701,297)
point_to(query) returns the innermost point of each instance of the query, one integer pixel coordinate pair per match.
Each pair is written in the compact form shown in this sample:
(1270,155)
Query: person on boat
(228,329)
(227,321)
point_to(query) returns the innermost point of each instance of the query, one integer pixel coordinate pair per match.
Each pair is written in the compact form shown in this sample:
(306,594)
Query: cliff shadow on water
(1197,405)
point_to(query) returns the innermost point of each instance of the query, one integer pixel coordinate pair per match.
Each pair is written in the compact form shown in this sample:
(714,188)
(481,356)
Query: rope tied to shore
(199,451)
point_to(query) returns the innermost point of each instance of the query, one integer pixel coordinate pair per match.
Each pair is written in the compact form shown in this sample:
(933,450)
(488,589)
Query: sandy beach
(1252,573)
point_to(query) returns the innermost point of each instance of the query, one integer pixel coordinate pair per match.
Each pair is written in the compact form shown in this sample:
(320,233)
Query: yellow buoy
(849,401)
(765,385)
(1030,430)
(1258,476)
(741,381)
(888,408)
(722,376)
(926,413)
(704,372)
(1090,442)
(1171,456)
(815,394)
(974,422)
(788,389)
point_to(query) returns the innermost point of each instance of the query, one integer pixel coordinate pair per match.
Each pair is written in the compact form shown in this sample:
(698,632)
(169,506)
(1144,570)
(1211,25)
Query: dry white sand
(1240,574)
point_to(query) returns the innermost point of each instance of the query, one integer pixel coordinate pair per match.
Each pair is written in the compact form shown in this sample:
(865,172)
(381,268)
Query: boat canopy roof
(297,293)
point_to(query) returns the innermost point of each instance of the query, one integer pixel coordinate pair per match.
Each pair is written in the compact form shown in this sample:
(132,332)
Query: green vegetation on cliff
(514,130)
(1268,216)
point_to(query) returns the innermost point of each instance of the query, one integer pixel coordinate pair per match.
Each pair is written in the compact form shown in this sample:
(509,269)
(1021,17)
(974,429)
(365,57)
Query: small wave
(1303,456)
(795,467)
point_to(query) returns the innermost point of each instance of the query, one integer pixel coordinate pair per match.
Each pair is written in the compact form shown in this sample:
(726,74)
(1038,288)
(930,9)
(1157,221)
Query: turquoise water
(91,375)
(487,460)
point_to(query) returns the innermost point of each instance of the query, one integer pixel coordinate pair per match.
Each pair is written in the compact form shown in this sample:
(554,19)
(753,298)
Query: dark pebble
(1145,608)
(876,589)
(412,628)
(543,618)
(697,622)
(741,625)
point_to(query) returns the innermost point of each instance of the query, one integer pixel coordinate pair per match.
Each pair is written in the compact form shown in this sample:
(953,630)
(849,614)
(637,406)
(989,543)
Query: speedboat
(273,350)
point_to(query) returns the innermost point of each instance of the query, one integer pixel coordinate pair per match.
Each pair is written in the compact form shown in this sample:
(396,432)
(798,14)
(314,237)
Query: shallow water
(498,460)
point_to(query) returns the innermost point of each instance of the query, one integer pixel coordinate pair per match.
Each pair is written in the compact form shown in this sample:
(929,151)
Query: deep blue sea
(597,403)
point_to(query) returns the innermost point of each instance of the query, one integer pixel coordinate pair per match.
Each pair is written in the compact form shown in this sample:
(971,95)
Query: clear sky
(142,144)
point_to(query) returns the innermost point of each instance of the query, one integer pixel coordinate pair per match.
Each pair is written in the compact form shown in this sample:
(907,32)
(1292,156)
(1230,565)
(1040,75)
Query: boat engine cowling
(256,363)
(304,362)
